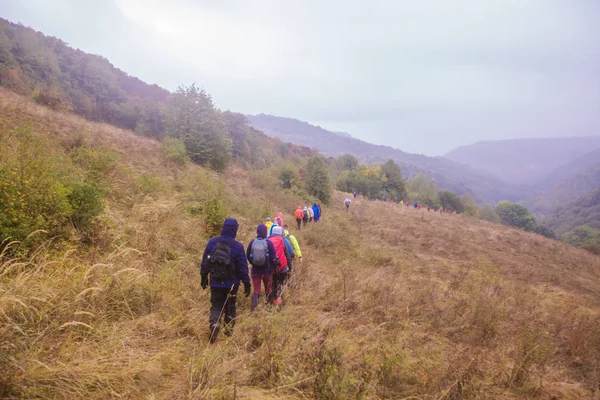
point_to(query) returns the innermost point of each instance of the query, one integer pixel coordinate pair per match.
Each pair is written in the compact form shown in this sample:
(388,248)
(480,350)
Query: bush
(174,150)
(41,188)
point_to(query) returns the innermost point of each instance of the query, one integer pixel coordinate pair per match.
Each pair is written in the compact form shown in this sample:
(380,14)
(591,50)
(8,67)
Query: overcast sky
(423,76)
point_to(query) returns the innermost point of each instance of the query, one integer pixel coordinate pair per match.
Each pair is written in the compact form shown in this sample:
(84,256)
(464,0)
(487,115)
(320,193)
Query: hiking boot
(214,333)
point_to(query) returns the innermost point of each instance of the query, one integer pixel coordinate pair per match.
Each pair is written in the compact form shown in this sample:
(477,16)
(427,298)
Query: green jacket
(295,244)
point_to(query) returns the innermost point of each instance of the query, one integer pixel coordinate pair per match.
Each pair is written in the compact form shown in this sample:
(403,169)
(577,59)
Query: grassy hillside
(390,302)
(448,175)
(526,161)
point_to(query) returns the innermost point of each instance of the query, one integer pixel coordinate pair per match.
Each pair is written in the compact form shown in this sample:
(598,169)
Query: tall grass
(389,303)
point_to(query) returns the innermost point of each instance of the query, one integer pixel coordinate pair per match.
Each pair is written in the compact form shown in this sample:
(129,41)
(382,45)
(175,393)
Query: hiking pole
(212,333)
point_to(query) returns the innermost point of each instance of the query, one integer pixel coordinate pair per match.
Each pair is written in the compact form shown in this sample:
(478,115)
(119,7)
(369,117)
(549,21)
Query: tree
(450,201)
(489,214)
(516,215)
(423,189)
(286,177)
(393,181)
(318,184)
(469,207)
(192,117)
(347,162)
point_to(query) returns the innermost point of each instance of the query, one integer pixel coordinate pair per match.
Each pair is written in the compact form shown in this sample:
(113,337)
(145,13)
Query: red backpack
(279,251)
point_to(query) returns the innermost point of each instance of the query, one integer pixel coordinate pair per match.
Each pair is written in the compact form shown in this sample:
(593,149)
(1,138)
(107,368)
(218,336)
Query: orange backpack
(299,214)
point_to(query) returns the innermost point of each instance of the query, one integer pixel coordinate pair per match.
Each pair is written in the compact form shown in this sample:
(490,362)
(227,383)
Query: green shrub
(175,152)
(41,188)
(149,184)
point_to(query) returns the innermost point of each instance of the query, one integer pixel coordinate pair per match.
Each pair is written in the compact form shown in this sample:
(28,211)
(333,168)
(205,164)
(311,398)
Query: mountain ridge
(448,174)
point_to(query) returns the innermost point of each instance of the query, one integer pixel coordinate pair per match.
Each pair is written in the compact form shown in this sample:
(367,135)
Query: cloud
(442,72)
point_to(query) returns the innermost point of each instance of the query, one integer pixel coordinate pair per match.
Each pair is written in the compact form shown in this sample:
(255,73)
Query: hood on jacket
(277,231)
(261,231)
(315,205)
(230,228)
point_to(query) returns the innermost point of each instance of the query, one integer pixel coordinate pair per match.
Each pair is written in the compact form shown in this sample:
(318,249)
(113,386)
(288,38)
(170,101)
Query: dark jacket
(238,255)
(261,232)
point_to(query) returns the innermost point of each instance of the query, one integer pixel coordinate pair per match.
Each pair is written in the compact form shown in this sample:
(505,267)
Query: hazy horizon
(424,78)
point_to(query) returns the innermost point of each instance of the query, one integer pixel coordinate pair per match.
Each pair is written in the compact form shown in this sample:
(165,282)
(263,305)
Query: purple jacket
(261,232)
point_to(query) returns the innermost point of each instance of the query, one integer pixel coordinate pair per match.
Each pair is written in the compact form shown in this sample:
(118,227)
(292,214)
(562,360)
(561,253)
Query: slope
(582,211)
(567,191)
(570,170)
(524,161)
(389,303)
(448,174)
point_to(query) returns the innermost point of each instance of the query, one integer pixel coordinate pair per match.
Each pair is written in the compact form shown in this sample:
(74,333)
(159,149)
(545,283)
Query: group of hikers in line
(416,205)
(271,254)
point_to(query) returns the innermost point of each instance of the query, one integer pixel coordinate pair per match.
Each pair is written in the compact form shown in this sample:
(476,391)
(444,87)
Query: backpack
(259,253)
(278,221)
(220,264)
(299,214)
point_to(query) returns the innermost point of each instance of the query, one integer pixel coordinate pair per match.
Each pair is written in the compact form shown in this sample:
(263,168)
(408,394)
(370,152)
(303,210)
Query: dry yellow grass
(390,302)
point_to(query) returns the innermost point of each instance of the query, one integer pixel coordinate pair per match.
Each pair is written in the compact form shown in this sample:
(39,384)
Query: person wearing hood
(294,242)
(306,215)
(284,258)
(311,214)
(224,262)
(278,219)
(299,214)
(268,224)
(262,255)
(316,212)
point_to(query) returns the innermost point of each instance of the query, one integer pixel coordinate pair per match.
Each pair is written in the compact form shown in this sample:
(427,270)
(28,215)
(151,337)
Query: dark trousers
(279,281)
(305,220)
(299,222)
(223,303)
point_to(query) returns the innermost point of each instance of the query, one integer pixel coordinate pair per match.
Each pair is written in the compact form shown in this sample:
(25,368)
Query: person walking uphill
(347,203)
(284,258)
(294,242)
(224,261)
(261,254)
(306,215)
(316,212)
(299,214)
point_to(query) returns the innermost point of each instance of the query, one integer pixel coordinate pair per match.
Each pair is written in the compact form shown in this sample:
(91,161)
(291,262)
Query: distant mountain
(571,188)
(448,174)
(569,171)
(524,161)
(583,211)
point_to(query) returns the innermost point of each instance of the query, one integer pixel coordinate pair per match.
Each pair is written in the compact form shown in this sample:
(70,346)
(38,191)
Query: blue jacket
(238,255)
(317,212)
(269,269)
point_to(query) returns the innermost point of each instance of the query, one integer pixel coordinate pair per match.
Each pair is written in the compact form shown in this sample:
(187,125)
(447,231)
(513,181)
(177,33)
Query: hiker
(261,254)
(347,203)
(416,205)
(275,224)
(294,242)
(278,219)
(268,224)
(284,257)
(320,211)
(316,212)
(299,214)
(224,260)
(311,214)
(354,193)
(306,215)
(428,208)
